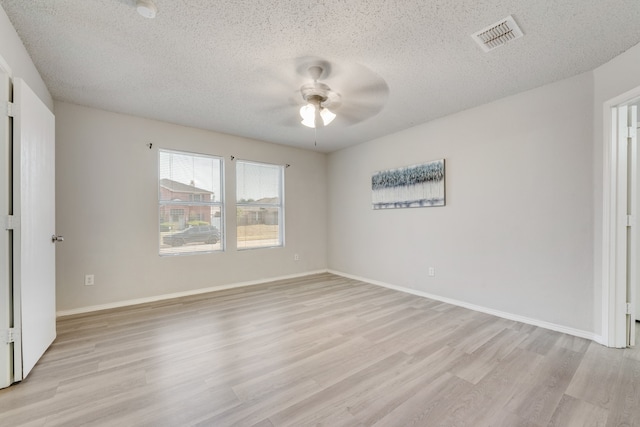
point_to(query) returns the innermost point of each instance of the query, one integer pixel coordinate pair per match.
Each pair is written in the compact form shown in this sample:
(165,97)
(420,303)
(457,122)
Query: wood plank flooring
(320,351)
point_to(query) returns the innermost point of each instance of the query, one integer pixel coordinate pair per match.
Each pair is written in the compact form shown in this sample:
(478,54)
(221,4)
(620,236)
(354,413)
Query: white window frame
(280,206)
(219,203)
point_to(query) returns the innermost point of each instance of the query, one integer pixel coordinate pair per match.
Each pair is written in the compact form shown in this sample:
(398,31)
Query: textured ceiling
(237,66)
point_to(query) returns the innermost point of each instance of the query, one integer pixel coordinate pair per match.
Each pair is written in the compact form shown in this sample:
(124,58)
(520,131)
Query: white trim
(630,324)
(608,211)
(611,290)
(6,353)
(510,316)
(137,301)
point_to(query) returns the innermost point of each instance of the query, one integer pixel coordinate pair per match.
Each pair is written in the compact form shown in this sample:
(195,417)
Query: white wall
(16,57)
(516,234)
(107,210)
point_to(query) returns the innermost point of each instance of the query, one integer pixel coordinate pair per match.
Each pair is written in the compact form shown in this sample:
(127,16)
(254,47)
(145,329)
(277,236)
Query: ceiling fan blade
(272,107)
(355,112)
(290,122)
(377,89)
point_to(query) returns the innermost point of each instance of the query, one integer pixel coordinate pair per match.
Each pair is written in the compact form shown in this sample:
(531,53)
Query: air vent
(498,34)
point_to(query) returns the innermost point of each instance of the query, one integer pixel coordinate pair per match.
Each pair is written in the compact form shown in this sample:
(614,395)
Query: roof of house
(180,187)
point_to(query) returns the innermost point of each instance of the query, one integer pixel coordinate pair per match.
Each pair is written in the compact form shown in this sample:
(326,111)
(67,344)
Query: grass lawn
(257,232)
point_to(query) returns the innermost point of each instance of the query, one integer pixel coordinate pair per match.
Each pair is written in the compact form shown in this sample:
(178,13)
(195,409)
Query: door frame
(6,299)
(614,250)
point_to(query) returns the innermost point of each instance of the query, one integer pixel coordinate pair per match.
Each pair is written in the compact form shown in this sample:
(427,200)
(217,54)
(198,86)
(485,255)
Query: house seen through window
(190,203)
(259,205)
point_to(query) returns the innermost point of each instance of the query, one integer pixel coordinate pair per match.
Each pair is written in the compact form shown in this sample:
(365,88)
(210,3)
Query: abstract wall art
(409,187)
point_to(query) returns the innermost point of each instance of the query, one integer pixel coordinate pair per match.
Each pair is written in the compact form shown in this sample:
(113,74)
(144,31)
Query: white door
(33,246)
(6,349)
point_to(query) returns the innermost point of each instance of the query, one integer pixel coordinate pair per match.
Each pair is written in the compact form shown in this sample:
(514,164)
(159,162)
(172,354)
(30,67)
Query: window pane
(259,215)
(258,183)
(185,175)
(258,227)
(190,203)
(201,233)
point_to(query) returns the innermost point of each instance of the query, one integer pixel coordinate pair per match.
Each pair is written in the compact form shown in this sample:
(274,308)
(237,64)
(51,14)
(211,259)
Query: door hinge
(9,109)
(629,220)
(631,132)
(11,222)
(629,308)
(10,335)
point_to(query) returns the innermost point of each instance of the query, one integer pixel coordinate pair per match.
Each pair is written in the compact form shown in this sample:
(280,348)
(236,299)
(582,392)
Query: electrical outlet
(89,280)
(296,257)
(432,272)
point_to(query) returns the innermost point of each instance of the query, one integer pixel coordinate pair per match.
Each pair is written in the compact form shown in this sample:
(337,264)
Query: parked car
(203,233)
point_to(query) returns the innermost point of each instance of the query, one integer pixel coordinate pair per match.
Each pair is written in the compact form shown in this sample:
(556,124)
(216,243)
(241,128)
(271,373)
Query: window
(190,202)
(260,203)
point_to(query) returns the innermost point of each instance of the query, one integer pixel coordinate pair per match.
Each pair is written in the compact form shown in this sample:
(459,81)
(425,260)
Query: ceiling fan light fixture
(313,113)
(311,117)
(308,114)
(327,116)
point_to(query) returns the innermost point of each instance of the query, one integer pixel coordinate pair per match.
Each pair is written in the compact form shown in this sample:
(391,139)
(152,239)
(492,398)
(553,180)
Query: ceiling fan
(320,100)
(362,93)
(316,92)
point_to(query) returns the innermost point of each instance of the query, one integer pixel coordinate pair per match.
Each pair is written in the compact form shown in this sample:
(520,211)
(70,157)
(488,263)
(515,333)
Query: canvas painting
(409,187)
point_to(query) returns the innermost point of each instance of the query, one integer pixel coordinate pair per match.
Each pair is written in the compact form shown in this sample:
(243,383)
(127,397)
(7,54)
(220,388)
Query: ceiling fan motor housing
(320,96)
(312,92)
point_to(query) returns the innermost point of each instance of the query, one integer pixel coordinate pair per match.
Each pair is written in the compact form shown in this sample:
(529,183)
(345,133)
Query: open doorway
(621,221)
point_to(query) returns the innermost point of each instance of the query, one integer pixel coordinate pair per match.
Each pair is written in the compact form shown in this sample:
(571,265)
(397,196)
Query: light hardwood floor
(320,350)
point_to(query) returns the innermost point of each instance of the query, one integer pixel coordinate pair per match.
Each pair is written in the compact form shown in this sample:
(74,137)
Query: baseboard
(600,340)
(510,316)
(180,294)
(505,315)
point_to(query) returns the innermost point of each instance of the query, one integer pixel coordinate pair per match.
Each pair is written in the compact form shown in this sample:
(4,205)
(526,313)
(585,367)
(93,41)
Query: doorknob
(55,238)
